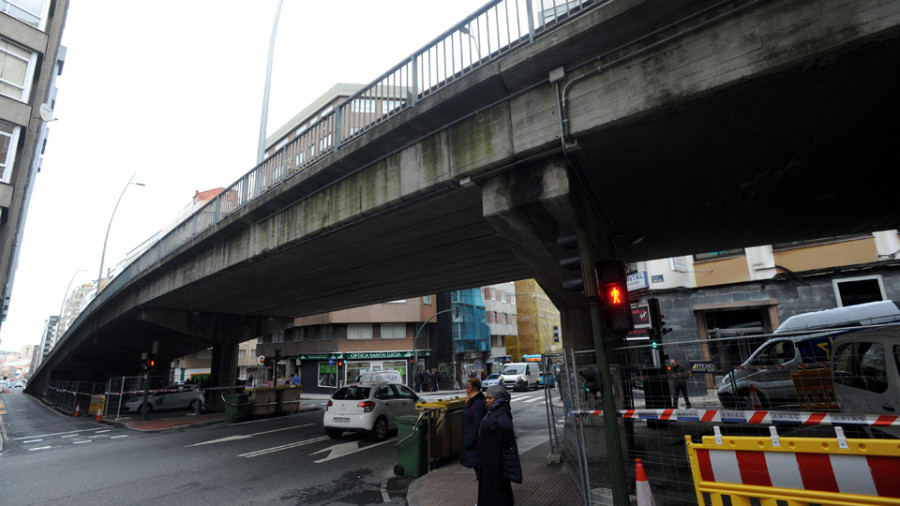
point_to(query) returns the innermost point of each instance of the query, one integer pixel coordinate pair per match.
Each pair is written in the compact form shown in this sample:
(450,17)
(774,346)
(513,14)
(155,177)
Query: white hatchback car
(171,397)
(369,407)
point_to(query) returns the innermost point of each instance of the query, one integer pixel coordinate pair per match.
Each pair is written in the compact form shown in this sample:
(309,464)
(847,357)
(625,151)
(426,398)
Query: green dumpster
(236,406)
(411,446)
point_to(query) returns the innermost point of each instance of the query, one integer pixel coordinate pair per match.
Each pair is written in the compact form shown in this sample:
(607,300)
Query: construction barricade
(790,471)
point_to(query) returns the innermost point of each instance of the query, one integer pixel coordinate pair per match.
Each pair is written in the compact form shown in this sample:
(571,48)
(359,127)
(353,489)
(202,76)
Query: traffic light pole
(616,458)
(610,418)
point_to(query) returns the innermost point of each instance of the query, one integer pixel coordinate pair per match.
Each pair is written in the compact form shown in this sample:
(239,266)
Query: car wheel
(333,433)
(380,429)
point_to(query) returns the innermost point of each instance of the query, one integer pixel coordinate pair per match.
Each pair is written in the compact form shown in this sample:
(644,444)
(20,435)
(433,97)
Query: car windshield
(493,376)
(352,393)
(514,370)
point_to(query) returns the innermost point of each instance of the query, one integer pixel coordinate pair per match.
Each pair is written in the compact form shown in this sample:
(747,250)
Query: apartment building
(30,60)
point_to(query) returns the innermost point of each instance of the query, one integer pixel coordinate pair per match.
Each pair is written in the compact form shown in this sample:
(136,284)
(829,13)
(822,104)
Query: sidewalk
(542,484)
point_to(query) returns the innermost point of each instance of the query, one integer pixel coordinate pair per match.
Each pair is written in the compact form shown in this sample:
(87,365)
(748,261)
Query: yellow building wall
(721,272)
(536,317)
(822,256)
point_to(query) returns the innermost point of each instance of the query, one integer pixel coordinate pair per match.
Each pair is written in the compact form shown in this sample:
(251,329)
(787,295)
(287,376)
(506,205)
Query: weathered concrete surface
(687,131)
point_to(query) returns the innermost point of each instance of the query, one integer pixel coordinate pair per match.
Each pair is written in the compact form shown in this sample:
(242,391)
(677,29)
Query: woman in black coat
(472,414)
(498,454)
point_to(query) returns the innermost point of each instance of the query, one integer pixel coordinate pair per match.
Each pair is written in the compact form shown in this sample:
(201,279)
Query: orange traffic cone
(754,398)
(99,413)
(77,410)
(642,487)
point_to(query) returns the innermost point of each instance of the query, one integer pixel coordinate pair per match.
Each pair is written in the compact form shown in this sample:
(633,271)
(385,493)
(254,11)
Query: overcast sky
(171,91)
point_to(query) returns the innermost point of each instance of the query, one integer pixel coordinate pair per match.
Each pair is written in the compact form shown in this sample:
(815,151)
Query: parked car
(19,385)
(171,397)
(491,380)
(368,407)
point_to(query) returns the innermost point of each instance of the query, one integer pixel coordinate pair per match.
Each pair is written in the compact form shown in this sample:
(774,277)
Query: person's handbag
(512,468)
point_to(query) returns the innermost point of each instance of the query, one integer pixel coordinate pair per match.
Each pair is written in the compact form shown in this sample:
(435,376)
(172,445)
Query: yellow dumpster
(96,405)
(446,426)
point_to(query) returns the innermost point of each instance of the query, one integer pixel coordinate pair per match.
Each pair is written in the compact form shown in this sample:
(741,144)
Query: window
(299,333)
(278,336)
(16,67)
(30,12)
(324,142)
(426,300)
(389,105)
(850,291)
(359,331)
(326,333)
(363,105)
(393,330)
(298,160)
(9,135)
(862,366)
(713,255)
(300,130)
(312,152)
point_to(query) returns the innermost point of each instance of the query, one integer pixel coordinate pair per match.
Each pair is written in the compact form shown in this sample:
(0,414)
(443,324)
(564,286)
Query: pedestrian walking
(436,379)
(498,454)
(472,415)
(426,383)
(678,374)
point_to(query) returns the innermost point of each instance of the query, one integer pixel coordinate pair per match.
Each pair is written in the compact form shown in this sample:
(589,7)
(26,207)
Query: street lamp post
(108,227)
(261,148)
(62,306)
(419,331)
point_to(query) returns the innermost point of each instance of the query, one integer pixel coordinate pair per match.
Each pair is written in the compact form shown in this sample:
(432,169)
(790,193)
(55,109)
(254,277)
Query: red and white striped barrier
(752,417)
(839,474)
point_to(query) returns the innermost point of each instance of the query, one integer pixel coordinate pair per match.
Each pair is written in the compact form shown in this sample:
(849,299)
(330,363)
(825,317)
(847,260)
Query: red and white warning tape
(752,416)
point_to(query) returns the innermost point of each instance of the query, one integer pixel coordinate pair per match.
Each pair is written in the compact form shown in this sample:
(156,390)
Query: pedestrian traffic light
(612,288)
(590,380)
(573,278)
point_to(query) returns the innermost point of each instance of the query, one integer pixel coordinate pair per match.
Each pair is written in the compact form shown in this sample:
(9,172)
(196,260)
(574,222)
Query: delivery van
(803,341)
(520,376)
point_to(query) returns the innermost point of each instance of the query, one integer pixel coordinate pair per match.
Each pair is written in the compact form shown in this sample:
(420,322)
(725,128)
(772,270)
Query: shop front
(325,372)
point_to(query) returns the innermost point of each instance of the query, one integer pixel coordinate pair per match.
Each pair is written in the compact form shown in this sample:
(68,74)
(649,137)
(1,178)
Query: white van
(520,376)
(803,341)
(865,371)
(389,375)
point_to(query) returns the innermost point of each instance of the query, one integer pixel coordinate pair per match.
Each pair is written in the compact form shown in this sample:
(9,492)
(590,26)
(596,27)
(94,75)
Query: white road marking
(118,437)
(40,448)
(82,442)
(57,434)
(32,441)
(282,447)
(245,436)
(344,449)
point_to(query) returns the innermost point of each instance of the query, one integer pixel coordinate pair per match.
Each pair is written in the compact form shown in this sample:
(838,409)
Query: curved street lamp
(418,331)
(108,227)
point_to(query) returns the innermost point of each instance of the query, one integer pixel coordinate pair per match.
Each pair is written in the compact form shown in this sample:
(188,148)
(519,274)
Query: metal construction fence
(83,397)
(769,390)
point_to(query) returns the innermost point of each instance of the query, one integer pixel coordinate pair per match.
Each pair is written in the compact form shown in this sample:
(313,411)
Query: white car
(369,407)
(171,397)
(493,379)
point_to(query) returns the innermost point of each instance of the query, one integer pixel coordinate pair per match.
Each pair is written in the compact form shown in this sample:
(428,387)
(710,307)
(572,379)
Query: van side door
(866,378)
(773,365)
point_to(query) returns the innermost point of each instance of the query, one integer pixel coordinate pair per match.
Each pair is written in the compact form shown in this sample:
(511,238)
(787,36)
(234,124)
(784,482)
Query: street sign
(261,360)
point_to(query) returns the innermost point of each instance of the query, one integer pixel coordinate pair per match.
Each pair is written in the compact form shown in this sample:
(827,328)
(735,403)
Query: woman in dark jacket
(472,414)
(498,454)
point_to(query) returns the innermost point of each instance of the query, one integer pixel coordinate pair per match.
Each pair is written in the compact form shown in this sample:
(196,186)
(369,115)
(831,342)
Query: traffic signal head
(590,380)
(612,288)
(573,279)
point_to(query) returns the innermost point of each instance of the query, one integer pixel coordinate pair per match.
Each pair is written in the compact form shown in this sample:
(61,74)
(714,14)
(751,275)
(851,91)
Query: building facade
(30,60)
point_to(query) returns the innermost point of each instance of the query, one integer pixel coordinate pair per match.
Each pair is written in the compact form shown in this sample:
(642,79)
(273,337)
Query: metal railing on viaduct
(487,34)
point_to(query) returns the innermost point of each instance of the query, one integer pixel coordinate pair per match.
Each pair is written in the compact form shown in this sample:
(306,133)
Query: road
(48,458)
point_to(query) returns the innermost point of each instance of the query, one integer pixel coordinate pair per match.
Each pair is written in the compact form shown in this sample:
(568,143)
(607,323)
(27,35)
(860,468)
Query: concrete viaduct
(651,128)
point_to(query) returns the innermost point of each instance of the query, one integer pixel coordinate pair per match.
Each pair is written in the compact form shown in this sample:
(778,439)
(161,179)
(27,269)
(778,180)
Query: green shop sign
(384,354)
